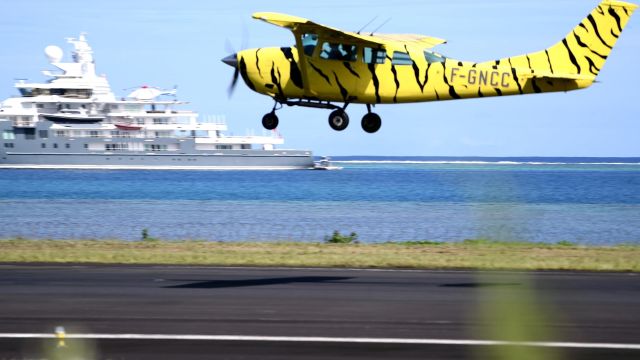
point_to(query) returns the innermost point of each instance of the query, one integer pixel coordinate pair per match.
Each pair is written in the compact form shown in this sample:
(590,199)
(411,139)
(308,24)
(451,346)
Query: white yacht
(75,121)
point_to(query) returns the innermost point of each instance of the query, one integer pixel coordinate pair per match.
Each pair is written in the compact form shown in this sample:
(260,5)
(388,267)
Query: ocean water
(583,200)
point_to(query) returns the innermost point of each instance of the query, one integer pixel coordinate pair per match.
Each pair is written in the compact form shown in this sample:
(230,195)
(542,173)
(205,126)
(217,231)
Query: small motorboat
(74,116)
(325,164)
(128,126)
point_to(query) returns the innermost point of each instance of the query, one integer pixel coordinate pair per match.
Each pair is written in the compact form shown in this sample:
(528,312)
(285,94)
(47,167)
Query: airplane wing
(427,42)
(298,24)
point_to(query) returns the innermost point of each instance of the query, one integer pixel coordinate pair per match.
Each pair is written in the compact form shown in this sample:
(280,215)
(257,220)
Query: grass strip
(468,254)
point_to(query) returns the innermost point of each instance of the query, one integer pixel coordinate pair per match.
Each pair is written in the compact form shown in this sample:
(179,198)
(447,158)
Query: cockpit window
(374,56)
(401,58)
(309,43)
(342,52)
(432,57)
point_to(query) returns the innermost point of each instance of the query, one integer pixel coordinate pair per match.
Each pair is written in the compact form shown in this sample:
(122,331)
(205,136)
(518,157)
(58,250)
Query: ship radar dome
(53,53)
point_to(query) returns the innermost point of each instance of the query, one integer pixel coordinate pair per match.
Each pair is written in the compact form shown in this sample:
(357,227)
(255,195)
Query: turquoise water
(590,201)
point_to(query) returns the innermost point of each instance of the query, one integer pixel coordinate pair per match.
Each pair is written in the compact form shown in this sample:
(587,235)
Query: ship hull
(223,160)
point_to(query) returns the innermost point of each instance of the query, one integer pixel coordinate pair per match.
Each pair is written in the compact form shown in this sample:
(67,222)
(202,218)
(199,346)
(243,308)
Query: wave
(471,162)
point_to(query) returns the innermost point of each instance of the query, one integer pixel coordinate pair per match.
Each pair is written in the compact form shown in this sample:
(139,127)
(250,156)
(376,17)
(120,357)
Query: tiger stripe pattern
(572,63)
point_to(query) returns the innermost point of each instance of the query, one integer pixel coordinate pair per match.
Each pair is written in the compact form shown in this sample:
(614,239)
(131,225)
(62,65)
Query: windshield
(309,43)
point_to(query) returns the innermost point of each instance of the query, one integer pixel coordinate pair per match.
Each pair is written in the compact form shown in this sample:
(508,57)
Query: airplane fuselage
(328,66)
(281,73)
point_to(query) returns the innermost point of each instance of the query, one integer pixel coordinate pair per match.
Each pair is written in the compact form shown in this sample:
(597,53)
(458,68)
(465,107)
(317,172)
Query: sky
(166,42)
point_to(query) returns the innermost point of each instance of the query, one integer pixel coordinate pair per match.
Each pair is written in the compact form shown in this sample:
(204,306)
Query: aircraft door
(333,71)
(374,62)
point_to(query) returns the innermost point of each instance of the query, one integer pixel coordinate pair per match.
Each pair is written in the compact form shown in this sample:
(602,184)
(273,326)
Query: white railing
(213,119)
(24,123)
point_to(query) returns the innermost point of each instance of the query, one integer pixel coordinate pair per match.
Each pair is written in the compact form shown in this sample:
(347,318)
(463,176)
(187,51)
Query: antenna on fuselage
(379,27)
(367,24)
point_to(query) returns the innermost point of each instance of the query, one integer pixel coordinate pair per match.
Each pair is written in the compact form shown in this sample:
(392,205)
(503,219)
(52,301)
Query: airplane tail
(583,52)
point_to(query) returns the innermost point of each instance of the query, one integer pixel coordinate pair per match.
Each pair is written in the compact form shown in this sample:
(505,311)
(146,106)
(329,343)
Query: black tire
(338,120)
(270,121)
(371,122)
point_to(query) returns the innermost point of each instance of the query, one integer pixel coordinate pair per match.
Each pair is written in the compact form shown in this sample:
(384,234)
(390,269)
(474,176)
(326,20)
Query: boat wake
(462,162)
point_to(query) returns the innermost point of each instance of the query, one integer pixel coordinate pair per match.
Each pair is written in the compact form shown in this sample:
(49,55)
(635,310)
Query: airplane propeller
(232,60)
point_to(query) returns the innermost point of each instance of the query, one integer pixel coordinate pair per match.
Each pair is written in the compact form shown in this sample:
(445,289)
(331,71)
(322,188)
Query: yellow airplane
(328,66)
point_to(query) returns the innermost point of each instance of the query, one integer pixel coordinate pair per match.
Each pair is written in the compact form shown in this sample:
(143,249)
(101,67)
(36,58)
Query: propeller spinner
(232,60)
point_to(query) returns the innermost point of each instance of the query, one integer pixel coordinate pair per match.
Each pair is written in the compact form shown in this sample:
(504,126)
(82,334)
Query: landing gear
(371,122)
(270,121)
(338,120)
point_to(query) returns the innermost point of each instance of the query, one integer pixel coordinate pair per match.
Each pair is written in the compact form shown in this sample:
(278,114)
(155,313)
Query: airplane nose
(231,60)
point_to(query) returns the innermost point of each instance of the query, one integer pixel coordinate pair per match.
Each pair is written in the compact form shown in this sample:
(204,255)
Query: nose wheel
(270,121)
(338,120)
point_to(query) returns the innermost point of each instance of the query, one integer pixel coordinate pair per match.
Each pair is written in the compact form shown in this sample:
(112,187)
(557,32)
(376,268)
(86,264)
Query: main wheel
(371,122)
(270,121)
(338,120)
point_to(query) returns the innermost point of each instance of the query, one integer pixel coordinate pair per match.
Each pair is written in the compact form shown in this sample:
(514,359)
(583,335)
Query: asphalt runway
(258,313)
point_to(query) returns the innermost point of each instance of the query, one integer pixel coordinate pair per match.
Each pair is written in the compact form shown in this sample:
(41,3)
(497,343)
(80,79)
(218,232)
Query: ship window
(160,121)
(86,146)
(43,134)
(30,134)
(55,146)
(116,147)
(342,52)
(181,133)
(124,134)
(8,135)
(77,93)
(67,146)
(43,145)
(133,107)
(309,43)
(401,58)
(224,147)
(60,133)
(94,133)
(26,92)
(155,147)
(8,145)
(36,92)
